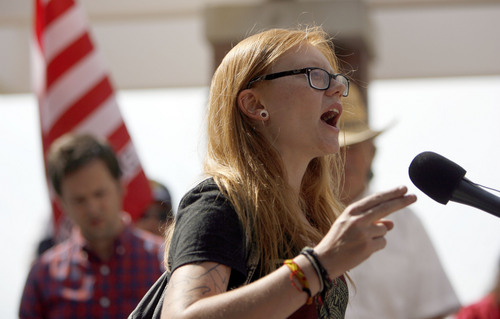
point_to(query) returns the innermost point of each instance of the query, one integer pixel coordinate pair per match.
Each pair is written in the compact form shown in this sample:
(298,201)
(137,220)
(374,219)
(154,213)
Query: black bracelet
(325,278)
(307,291)
(316,268)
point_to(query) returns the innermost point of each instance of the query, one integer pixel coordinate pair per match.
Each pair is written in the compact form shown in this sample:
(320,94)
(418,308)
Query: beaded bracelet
(297,272)
(311,256)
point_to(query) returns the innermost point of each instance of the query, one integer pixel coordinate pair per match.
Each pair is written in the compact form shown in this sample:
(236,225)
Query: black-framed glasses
(317,78)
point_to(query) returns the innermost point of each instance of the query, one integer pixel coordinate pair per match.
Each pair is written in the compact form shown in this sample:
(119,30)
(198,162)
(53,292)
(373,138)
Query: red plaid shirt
(69,281)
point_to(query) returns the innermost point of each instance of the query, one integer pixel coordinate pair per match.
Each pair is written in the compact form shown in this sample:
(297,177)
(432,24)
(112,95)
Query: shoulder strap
(252,260)
(150,305)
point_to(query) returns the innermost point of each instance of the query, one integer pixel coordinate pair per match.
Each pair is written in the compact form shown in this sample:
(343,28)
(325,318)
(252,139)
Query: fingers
(350,241)
(377,233)
(378,230)
(381,204)
(377,198)
(379,243)
(361,230)
(389,224)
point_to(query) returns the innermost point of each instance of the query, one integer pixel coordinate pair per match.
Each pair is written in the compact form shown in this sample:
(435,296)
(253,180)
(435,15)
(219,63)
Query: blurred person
(159,215)
(486,308)
(50,238)
(406,279)
(47,240)
(106,265)
(264,236)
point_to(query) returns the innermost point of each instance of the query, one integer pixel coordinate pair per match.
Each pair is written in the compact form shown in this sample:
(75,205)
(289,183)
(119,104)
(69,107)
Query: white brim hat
(354,127)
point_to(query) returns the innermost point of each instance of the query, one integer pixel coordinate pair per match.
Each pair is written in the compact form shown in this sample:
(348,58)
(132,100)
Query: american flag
(75,93)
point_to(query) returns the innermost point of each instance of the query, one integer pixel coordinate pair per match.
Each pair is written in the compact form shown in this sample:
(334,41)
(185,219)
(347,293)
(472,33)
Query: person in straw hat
(406,279)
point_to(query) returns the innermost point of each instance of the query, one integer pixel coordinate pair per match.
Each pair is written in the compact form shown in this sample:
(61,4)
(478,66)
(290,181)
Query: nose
(92,207)
(335,88)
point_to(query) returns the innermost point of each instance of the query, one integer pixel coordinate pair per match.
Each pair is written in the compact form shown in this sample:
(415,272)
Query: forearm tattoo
(197,286)
(215,279)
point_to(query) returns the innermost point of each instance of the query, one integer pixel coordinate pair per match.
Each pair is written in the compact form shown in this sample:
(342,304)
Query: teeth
(331,114)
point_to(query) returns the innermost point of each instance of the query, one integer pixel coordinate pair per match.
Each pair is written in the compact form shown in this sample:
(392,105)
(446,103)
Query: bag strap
(252,261)
(151,304)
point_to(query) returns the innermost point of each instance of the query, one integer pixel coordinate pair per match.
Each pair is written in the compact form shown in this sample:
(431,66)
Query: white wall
(436,40)
(456,118)
(160,44)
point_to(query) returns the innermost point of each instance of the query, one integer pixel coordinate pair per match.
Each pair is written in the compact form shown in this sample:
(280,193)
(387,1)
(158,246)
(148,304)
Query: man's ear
(373,149)
(249,104)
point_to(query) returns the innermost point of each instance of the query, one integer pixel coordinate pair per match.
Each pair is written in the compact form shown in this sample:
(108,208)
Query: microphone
(444,180)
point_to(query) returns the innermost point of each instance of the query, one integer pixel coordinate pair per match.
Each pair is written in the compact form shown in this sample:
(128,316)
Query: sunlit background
(457,118)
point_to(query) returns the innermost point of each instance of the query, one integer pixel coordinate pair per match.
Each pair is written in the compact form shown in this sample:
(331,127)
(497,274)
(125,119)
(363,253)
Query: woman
(272,129)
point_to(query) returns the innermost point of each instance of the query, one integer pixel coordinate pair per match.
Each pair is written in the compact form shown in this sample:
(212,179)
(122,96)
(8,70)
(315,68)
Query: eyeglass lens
(320,79)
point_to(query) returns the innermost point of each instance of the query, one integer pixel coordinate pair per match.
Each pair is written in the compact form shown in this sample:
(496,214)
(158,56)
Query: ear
(373,149)
(249,104)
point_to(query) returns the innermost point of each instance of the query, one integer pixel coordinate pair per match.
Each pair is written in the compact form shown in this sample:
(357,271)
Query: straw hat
(354,120)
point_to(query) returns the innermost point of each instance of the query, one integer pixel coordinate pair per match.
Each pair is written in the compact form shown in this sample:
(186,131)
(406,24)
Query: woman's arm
(200,291)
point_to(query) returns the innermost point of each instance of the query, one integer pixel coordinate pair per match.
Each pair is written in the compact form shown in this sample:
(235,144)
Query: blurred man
(105,267)
(406,279)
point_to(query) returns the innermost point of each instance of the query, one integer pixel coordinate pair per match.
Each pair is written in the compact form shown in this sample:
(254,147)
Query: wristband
(297,272)
(311,256)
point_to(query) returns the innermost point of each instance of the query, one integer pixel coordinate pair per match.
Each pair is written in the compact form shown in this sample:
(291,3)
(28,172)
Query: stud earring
(264,114)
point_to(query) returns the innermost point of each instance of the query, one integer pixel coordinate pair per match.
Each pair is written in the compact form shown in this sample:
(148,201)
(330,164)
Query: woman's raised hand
(359,231)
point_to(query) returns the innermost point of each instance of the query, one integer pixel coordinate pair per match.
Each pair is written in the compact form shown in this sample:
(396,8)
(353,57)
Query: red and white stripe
(75,93)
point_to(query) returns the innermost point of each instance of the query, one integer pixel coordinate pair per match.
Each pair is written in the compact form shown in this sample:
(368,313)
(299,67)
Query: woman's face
(297,124)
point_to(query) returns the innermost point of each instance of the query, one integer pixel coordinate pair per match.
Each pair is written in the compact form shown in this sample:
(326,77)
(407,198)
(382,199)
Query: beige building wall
(162,43)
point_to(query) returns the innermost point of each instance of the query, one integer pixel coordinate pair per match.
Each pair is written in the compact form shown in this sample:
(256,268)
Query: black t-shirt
(208,229)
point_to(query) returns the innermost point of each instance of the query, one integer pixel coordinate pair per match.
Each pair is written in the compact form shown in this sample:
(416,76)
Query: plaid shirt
(69,281)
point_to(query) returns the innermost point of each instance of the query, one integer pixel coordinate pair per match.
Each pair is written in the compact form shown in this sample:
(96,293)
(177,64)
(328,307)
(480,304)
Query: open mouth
(331,117)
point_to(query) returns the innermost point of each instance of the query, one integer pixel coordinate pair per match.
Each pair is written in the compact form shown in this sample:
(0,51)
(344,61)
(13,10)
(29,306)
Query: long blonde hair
(249,170)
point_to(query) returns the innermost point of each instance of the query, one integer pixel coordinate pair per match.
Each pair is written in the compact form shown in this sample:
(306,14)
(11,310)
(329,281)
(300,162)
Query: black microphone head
(436,175)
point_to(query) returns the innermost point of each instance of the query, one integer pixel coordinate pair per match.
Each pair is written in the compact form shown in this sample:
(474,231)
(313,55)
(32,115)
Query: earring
(264,114)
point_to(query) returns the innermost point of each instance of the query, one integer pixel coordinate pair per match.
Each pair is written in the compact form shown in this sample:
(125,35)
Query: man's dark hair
(71,152)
